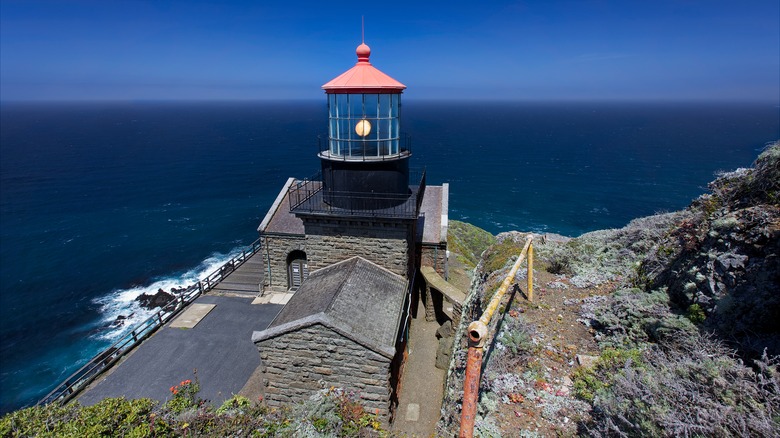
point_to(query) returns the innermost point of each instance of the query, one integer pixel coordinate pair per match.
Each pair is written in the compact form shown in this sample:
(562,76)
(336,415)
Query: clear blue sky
(607,49)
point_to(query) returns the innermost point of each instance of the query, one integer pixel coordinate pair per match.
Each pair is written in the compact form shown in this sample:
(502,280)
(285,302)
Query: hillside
(665,327)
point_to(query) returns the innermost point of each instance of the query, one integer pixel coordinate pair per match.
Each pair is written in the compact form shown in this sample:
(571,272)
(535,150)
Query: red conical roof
(363,77)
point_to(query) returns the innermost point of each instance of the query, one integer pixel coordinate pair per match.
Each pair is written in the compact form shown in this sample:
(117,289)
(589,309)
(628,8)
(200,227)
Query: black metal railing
(103,360)
(308,196)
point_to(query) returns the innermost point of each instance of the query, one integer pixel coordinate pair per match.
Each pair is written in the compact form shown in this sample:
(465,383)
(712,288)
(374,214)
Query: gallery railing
(77,381)
(306,196)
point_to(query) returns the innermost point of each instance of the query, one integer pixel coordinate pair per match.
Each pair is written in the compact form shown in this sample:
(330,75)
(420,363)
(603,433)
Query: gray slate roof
(356,298)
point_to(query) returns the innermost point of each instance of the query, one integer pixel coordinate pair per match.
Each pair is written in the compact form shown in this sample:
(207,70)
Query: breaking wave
(121,311)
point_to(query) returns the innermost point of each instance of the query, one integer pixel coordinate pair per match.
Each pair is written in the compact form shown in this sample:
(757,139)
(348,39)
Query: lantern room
(365,159)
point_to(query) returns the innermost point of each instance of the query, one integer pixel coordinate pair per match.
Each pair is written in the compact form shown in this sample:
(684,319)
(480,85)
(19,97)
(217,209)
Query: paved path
(219,346)
(422,384)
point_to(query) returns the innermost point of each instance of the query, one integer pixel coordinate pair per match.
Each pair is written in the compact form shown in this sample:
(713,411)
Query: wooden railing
(77,381)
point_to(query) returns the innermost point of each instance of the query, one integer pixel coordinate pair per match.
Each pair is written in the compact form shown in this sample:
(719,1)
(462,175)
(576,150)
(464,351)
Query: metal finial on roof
(363,52)
(363,77)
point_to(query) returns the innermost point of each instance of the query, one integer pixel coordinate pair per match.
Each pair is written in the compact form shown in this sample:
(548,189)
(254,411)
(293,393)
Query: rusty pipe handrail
(477,335)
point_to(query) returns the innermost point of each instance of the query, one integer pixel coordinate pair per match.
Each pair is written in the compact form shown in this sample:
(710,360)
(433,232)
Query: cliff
(665,327)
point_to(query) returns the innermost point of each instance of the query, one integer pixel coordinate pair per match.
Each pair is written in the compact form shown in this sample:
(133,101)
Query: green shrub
(501,254)
(235,404)
(589,382)
(109,417)
(468,241)
(341,415)
(185,396)
(695,314)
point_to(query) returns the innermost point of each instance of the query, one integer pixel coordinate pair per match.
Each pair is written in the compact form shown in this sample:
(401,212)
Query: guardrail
(478,334)
(308,196)
(77,381)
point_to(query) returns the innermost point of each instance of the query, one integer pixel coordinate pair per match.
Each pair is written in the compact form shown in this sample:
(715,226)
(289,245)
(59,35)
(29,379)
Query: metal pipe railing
(477,336)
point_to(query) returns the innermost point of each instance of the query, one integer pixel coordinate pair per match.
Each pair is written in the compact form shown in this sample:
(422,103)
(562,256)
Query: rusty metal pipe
(477,336)
(477,332)
(530,275)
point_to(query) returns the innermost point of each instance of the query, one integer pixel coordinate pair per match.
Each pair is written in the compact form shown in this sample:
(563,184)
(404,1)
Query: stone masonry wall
(435,256)
(278,247)
(299,363)
(385,243)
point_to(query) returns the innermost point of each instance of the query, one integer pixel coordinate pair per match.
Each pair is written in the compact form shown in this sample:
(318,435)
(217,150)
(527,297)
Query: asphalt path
(220,348)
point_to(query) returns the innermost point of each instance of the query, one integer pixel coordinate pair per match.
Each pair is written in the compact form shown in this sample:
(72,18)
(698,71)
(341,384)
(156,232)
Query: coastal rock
(159,299)
(121,320)
(443,353)
(722,258)
(445,331)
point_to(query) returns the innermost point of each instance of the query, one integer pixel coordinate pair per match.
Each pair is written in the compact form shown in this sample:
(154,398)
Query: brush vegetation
(689,335)
(468,242)
(329,413)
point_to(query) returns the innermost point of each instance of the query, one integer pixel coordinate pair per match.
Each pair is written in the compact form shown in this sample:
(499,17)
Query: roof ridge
(340,288)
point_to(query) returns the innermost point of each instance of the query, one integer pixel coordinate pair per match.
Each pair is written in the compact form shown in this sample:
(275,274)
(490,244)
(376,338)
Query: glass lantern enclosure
(363,127)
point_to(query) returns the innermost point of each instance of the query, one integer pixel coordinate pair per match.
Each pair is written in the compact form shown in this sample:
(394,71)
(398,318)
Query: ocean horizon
(103,201)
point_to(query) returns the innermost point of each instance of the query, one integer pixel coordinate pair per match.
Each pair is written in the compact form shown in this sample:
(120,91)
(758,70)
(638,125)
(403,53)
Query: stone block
(323,370)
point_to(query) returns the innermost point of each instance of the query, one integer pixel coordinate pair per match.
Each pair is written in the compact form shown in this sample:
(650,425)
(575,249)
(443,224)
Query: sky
(507,50)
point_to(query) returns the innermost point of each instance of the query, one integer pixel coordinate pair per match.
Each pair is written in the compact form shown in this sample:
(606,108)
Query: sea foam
(122,302)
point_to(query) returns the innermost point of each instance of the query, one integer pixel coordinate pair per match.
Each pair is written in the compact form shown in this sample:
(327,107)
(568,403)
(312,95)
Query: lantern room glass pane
(384,105)
(381,111)
(370,104)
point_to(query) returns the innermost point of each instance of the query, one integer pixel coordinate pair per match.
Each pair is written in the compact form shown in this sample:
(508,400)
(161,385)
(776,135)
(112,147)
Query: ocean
(100,202)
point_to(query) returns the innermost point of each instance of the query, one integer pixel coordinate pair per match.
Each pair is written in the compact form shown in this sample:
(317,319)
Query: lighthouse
(365,161)
(347,250)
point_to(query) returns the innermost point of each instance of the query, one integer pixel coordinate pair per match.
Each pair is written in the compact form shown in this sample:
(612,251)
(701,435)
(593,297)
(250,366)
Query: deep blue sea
(100,202)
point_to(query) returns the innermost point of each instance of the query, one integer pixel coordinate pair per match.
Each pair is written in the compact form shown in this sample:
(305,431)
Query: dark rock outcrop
(159,299)
(723,259)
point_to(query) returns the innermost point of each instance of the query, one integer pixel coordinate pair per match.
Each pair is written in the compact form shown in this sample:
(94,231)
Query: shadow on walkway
(422,384)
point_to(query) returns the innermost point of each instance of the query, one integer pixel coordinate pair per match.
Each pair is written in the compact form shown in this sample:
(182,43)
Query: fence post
(530,275)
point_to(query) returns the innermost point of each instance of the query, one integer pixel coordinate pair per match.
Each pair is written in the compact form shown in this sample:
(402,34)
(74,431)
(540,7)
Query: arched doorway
(297,269)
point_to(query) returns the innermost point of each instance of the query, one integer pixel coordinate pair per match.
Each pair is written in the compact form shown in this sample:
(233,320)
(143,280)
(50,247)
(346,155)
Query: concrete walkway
(219,345)
(422,384)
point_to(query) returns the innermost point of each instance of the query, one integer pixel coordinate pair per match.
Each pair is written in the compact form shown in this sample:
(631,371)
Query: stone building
(338,329)
(345,247)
